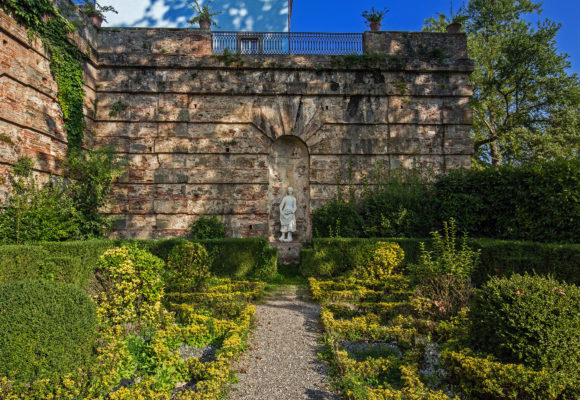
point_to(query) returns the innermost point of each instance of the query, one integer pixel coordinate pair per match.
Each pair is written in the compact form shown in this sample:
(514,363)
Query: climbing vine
(44,20)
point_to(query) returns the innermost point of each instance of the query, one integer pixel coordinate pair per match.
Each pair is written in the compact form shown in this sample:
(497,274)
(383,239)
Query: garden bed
(147,344)
(380,347)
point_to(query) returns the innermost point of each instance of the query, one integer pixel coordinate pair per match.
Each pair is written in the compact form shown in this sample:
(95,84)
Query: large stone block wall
(199,131)
(31,122)
(202,133)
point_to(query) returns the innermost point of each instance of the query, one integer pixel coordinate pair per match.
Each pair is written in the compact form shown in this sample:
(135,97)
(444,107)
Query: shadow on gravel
(320,395)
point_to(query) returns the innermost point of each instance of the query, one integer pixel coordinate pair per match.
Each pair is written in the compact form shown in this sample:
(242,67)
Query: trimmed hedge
(505,257)
(538,202)
(74,262)
(333,257)
(71,262)
(47,329)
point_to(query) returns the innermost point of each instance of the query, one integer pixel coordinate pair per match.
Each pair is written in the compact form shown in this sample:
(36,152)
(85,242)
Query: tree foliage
(526,105)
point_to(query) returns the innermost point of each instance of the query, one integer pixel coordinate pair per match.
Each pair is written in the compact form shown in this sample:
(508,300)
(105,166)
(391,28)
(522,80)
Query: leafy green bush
(333,257)
(57,211)
(207,228)
(37,213)
(528,202)
(92,173)
(528,319)
(446,259)
(481,378)
(443,275)
(187,267)
(238,258)
(48,329)
(72,262)
(337,219)
(503,257)
(378,260)
(130,286)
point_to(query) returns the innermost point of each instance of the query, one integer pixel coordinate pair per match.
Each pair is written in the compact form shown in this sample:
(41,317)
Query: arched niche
(288,165)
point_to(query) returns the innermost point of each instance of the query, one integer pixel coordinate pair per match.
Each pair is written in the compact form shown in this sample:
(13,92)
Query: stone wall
(202,132)
(226,135)
(31,123)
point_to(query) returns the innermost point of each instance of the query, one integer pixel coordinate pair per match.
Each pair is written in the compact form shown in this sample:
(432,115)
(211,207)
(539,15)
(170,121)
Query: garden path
(281,362)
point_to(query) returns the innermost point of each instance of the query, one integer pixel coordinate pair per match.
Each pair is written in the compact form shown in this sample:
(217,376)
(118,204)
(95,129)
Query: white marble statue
(287,217)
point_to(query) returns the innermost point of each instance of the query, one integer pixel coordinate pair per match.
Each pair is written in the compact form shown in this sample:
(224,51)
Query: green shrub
(480,378)
(333,257)
(398,210)
(130,286)
(91,174)
(187,267)
(527,202)
(446,258)
(337,219)
(503,258)
(207,228)
(38,213)
(528,319)
(47,329)
(378,260)
(238,258)
(443,275)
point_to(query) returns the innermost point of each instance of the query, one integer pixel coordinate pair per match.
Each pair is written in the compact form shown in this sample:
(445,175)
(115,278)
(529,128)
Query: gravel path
(281,362)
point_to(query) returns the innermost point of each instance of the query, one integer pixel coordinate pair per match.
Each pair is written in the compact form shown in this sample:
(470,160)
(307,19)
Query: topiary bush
(207,228)
(47,329)
(337,219)
(377,260)
(528,319)
(131,287)
(187,267)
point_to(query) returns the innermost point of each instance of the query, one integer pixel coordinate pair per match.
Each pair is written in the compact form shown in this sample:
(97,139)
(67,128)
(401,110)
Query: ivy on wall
(43,19)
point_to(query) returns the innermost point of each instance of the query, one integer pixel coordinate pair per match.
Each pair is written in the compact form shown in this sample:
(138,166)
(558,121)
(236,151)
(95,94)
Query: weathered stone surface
(204,137)
(433,46)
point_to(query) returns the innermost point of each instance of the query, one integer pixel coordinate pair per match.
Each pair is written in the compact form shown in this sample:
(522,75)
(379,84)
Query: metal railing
(287,43)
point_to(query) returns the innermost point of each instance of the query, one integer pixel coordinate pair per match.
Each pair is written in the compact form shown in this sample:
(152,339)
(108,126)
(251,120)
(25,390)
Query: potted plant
(457,19)
(204,15)
(456,23)
(96,12)
(373,18)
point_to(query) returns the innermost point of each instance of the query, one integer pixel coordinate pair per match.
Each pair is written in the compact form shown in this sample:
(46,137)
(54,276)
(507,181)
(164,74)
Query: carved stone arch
(288,166)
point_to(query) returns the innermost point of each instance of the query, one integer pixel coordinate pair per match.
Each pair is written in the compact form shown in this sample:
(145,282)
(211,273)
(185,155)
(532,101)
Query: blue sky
(344,16)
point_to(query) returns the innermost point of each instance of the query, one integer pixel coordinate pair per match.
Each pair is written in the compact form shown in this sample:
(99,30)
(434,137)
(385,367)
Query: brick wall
(31,122)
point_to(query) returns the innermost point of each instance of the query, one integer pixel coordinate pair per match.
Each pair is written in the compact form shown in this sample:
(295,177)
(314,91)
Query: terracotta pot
(96,19)
(454,27)
(375,26)
(205,24)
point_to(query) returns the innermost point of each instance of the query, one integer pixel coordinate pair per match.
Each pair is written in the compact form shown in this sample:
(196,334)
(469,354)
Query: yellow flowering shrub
(130,286)
(120,355)
(424,366)
(378,260)
(485,377)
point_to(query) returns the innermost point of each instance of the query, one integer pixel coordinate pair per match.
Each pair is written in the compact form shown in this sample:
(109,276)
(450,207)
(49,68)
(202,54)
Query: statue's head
(290,190)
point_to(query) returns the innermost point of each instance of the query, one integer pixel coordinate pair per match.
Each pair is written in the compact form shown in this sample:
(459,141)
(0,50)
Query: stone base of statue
(288,253)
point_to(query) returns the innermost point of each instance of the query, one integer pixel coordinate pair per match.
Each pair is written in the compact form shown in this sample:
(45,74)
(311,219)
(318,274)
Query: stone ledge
(288,253)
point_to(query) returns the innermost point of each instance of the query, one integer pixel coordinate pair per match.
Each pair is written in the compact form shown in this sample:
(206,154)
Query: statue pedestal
(288,253)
